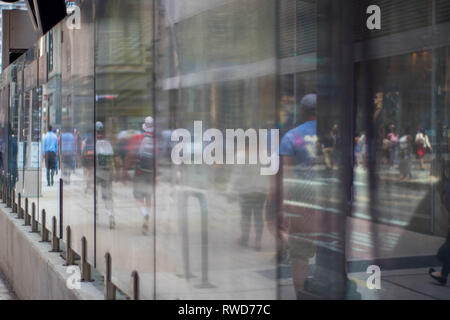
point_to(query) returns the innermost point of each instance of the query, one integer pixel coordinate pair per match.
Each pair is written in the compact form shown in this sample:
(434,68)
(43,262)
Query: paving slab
(5,292)
(422,283)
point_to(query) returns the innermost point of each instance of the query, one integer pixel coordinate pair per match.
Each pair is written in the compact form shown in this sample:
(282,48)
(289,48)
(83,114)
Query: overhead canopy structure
(44,14)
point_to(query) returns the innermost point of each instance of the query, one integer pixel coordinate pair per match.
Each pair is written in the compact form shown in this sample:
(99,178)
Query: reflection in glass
(353,124)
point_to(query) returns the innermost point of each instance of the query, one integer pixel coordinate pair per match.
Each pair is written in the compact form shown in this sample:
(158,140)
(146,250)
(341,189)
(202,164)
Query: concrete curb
(33,272)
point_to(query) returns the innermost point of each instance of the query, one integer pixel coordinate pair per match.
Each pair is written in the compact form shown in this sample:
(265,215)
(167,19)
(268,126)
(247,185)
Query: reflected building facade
(348,103)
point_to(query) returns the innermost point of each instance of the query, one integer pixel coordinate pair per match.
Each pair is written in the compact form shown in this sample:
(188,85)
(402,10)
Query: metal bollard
(134,285)
(182,207)
(44,231)
(110,288)
(19,206)
(21,213)
(34,224)
(61,207)
(85,266)
(55,239)
(8,196)
(70,259)
(27,214)
(7,192)
(2,189)
(204,236)
(14,205)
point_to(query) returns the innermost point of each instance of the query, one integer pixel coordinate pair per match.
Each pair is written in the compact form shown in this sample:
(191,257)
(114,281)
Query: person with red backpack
(423,146)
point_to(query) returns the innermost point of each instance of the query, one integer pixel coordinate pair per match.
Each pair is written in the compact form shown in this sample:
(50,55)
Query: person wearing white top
(251,188)
(405,147)
(423,145)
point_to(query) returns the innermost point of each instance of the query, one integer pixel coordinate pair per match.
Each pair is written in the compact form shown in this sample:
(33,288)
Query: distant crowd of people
(396,150)
(62,150)
(132,150)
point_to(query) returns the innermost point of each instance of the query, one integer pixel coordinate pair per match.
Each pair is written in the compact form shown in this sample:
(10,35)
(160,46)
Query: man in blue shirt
(50,149)
(298,146)
(298,157)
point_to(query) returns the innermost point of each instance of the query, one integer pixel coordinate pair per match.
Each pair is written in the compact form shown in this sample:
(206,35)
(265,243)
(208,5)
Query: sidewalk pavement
(406,284)
(392,174)
(242,272)
(404,258)
(5,293)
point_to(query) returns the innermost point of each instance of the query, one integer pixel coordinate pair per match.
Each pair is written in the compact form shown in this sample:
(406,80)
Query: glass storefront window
(352,124)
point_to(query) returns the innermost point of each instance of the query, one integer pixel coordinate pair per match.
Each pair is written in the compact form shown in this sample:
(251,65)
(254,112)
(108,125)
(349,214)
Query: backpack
(146,154)
(105,154)
(88,148)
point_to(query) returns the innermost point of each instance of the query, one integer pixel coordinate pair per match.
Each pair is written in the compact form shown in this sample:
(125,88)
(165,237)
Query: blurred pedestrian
(58,156)
(443,256)
(144,173)
(75,153)
(393,144)
(49,150)
(386,147)
(364,149)
(405,151)
(357,152)
(328,145)
(78,149)
(251,188)
(423,145)
(297,149)
(336,154)
(67,153)
(12,163)
(104,171)
(88,160)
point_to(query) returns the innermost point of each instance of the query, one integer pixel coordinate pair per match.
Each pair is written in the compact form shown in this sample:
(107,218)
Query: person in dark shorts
(298,149)
(251,188)
(144,173)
